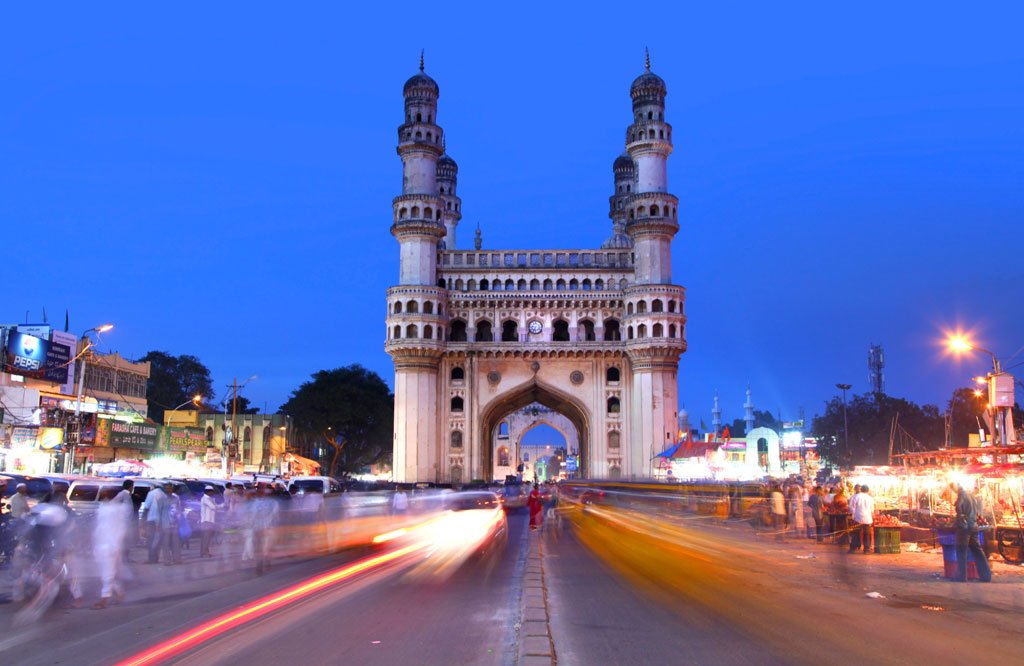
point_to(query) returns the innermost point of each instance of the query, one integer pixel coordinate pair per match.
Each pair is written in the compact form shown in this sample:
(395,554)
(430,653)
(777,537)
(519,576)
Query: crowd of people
(50,548)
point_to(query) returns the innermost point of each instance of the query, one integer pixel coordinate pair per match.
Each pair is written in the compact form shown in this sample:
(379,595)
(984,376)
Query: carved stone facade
(592,335)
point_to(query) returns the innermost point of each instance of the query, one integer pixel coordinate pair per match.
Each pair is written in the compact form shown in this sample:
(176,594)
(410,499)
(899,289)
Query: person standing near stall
(862,506)
(966,524)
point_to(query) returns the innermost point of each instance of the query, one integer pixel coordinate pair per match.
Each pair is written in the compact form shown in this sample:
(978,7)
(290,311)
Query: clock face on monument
(535,327)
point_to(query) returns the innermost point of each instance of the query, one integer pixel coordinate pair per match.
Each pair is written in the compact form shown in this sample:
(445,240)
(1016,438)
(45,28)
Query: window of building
(586,330)
(398,307)
(458,374)
(560,331)
(428,307)
(456,439)
(457,331)
(412,331)
(612,374)
(483,331)
(503,429)
(413,307)
(656,305)
(456,404)
(503,457)
(510,331)
(613,405)
(611,330)
(613,439)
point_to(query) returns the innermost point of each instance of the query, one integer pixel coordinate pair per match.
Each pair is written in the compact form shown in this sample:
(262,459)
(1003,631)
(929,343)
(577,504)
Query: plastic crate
(887,540)
(950,570)
(948,538)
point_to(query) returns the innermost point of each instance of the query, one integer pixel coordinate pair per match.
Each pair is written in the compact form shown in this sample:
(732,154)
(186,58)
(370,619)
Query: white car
(324,485)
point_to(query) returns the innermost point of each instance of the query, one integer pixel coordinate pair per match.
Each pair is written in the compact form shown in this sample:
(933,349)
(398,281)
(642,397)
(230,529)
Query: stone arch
(522,395)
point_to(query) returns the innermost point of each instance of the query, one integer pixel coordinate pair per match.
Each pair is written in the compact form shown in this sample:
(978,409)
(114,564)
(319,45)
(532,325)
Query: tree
(966,412)
(350,410)
(174,380)
(738,428)
(870,418)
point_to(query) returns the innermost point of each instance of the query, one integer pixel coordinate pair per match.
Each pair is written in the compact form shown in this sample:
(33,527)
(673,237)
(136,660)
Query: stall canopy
(301,466)
(120,468)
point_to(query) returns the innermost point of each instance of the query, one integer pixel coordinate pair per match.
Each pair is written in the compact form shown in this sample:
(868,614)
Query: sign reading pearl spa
(186,439)
(133,436)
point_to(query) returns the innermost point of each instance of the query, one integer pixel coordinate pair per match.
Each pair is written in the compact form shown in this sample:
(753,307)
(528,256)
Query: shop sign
(25,355)
(50,438)
(186,439)
(213,456)
(58,356)
(133,436)
(24,436)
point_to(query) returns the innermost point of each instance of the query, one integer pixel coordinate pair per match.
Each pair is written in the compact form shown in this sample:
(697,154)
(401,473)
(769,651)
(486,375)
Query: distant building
(876,362)
(257,443)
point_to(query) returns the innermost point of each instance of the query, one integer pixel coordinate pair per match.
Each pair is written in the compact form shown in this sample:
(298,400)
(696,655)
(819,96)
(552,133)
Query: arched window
(561,331)
(611,330)
(671,306)
(398,307)
(415,211)
(209,435)
(458,374)
(629,332)
(503,429)
(428,332)
(627,188)
(534,284)
(630,211)
(428,307)
(503,457)
(509,331)
(397,334)
(586,330)
(650,115)
(247,444)
(671,330)
(521,285)
(483,331)
(641,307)
(629,308)
(266,438)
(484,285)
(456,404)
(623,284)
(613,439)
(612,374)
(613,405)
(599,285)
(428,212)
(587,286)
(657,305)
(457,331)
(548,285)
(419,117)
(471,285)
(419,134)
(654,211)
(403,213)
(412,331)
(456,439)
(641,331)
(510,285)
(460,285)
(559,286)
(658,330)
(641,211)
(430,137)
(574,285)
(440,333)
(413,307)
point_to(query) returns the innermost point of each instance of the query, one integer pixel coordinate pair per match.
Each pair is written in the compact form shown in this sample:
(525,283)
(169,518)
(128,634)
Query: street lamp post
(998,382)
(70,466)
(846,424)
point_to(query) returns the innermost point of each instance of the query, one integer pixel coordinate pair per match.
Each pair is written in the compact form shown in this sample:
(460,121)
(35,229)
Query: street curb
(535,645)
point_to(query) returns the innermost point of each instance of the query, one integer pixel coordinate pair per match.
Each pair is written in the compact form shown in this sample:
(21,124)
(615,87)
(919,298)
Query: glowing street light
(959,344)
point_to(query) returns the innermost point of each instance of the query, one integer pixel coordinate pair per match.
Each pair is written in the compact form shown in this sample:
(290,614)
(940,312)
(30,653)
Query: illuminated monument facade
(477,336)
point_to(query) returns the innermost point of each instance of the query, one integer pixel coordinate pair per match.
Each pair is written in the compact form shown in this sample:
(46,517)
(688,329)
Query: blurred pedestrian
(795,504)
(536,505)
(19,502)
(777,510)
(156,504)
(108,541)
(127,499)
(399,502)
(816,503)
(862,507)
(966,524)
(265,513)
(207,521)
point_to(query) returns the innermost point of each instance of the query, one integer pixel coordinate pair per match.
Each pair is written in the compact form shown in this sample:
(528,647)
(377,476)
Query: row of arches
(657,331)
(413,307)
(419,117)
(657,305)
(650,116)
(573,284)
(458,374)
(585,331)
(650,134)
(414,213)
(654,211)
(412,331)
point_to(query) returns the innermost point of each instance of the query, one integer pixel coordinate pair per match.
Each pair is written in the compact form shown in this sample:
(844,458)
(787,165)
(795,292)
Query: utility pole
(846,424)
(234,425)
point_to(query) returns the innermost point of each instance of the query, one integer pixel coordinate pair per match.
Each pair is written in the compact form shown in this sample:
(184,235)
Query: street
(728,596)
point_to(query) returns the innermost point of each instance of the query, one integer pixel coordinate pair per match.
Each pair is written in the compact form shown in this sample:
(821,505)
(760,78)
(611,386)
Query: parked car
(38,488)
(324,485)
(514,496)
(84,494)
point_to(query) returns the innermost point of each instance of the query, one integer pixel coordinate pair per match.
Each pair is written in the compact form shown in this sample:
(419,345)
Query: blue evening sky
(216,179)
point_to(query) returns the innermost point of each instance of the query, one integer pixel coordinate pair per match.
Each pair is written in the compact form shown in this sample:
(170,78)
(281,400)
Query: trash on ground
(875,595)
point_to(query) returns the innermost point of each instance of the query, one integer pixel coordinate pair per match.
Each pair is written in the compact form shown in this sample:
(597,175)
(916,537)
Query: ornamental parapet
(535,259)
(408,228)
(541,350)
(660,227)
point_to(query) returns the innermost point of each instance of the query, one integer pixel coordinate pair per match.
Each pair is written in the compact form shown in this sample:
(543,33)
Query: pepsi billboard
(25,355)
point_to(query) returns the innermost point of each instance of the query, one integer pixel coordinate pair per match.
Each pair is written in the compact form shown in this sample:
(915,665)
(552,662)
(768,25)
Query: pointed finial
(647,59)
(421,61)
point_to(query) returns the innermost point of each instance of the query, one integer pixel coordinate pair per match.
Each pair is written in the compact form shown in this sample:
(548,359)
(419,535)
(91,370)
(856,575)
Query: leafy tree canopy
(174,380)
(349,409)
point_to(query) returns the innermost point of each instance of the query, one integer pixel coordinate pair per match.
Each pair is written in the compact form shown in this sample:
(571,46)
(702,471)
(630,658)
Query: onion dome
(623,163)
(617,241)
(648,83)
(446,161)
(420,81)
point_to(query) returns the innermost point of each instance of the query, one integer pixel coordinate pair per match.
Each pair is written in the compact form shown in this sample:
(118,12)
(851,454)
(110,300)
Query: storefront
(32,450)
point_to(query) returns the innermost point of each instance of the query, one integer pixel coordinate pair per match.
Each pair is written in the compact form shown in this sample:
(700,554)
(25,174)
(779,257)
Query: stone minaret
(748,411)
(655,335)
(716,416)
(451,211)
(625,182)
(415,330)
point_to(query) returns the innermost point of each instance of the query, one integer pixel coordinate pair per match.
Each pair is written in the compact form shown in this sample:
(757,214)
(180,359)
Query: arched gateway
(593,335)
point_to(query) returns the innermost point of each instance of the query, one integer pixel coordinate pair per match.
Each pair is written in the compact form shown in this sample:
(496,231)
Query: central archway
(516,398)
